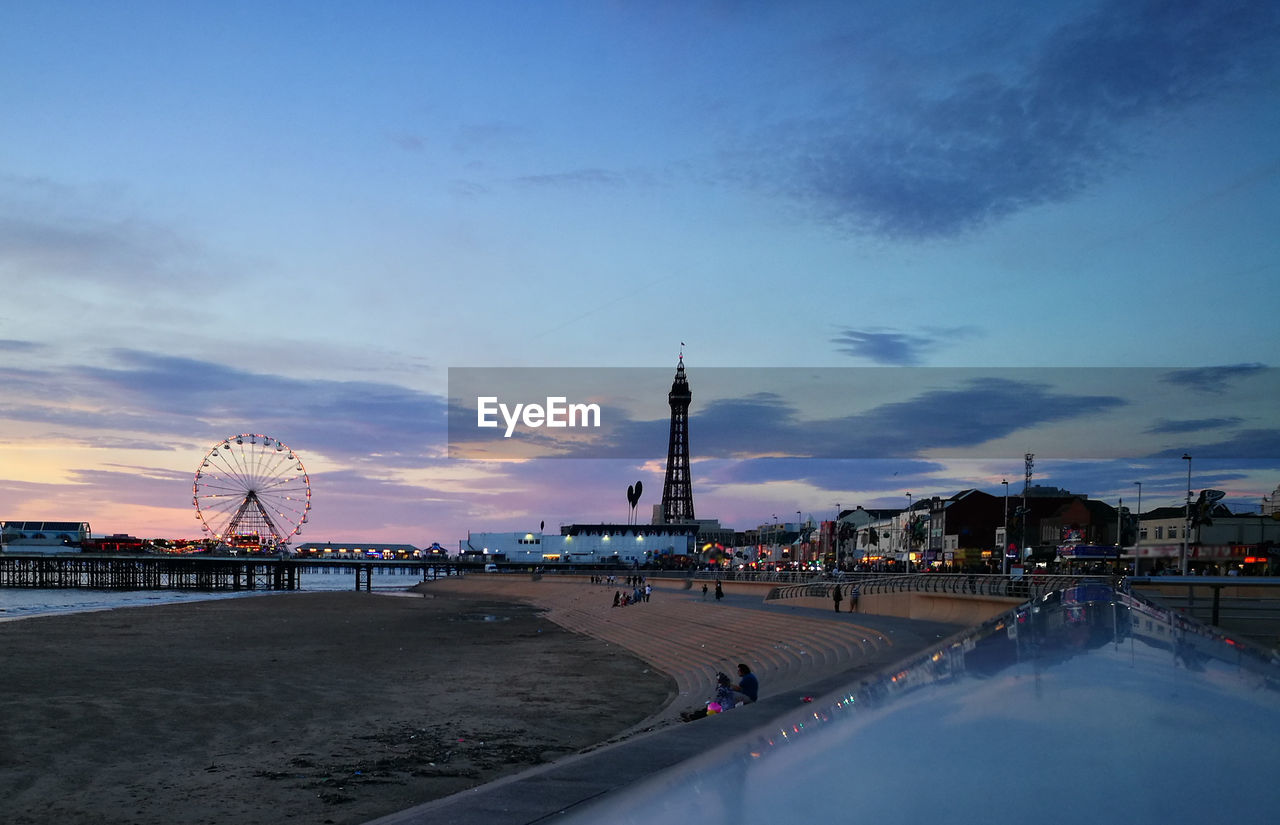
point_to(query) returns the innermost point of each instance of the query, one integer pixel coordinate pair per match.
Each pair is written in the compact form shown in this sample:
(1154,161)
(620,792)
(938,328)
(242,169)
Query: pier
(197,572)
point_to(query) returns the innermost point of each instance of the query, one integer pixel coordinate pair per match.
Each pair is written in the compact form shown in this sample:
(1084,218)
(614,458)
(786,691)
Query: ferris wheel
(251,490)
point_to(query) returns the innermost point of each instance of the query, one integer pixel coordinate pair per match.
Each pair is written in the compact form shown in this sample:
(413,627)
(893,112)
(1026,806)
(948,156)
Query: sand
(312,708)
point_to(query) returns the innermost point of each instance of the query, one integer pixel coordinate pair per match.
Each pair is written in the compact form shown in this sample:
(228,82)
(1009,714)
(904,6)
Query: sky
(299,219)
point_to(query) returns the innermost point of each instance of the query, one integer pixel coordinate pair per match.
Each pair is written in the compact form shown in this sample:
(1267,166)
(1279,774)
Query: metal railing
(1254,612)
(1025,587)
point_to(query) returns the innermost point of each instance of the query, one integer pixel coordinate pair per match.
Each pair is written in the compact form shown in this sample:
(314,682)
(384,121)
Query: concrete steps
(690,639)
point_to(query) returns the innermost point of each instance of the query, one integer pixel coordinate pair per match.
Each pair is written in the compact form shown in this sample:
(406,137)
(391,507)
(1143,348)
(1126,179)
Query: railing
(1255,614)
(193,572)
(1026,587)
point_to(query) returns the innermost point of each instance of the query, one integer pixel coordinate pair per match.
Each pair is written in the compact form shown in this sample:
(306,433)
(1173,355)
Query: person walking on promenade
(617,598)
(704,591)
(719,590)
(648,591)
(836,596)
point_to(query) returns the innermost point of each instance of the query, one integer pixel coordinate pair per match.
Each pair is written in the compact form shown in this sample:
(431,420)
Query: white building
(43,536)
(1230,539)
(357,550)
(625,544)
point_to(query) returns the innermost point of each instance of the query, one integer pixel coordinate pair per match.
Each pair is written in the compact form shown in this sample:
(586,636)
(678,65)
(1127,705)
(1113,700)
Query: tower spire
(677,489)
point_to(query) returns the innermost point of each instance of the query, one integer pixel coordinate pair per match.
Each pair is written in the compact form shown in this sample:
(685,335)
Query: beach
(345,707)
(310,707)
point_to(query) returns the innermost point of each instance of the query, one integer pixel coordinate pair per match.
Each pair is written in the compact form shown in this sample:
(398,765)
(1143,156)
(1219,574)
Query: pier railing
(194,572)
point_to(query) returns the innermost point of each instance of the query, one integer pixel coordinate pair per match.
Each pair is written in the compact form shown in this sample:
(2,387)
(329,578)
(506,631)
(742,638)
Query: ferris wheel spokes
(252,488)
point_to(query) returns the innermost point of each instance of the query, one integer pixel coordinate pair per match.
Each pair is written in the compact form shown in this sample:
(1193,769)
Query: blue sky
(295,218)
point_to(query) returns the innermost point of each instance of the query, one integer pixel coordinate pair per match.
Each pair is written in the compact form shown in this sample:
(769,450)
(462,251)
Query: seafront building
(357,550)
(44,536)
(626,544)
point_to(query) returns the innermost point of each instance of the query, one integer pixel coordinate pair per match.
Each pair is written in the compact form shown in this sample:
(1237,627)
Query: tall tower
(677,490)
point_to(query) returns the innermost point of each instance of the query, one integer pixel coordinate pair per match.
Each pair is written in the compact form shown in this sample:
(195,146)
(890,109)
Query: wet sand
(311,708)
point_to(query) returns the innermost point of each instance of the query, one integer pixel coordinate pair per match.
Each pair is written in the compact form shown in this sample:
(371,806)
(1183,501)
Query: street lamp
(1004,545)
(799,531)
(1137,529)
(906,534)
(1119,534)
(1186,527)
(835,537)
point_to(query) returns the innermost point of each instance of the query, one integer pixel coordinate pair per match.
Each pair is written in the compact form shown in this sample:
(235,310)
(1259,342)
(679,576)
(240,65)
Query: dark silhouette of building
(677,490)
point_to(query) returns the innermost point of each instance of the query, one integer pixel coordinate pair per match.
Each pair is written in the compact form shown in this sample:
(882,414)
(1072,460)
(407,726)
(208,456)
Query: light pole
(1004,545)
(1137,529)
(906,534)
(1186,527)
(799,531)
(1119,534)
(835,537)
(1262,530)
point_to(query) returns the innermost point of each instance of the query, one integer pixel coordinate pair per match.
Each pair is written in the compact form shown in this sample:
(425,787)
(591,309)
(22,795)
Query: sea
(28,602)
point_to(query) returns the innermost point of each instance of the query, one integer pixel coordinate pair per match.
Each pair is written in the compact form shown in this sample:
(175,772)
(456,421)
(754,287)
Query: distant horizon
(1014,493)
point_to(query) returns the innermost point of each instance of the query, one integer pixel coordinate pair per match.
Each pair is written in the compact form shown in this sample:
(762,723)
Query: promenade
(797,652)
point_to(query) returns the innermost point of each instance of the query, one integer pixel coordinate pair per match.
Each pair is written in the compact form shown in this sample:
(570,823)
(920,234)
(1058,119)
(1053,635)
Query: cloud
(409,142)
(575,179)
(968,416)
(164,397)
(903,349)
(1213,379)
(24,347)
(1005,138)
(834,474)
(1192,425)
(1246,444)
(68,236)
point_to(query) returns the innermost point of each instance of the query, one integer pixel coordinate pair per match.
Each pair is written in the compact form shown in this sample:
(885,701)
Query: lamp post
(1137,530)
(1262,530)
(1186,527)
(906,534)
(1004,544)
(799,531)
(1119,535)
(835,537)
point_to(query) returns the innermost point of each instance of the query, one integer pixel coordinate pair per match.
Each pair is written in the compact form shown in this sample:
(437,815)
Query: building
(1230,539)
(43,536)
(877,534)
(357,550)
(962,529)
(624,544)
(1080,521)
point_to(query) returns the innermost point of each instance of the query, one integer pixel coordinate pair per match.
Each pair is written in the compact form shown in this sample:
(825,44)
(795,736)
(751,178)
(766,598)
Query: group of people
(637,595)
(719,590)
(728,695)
(611,580)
